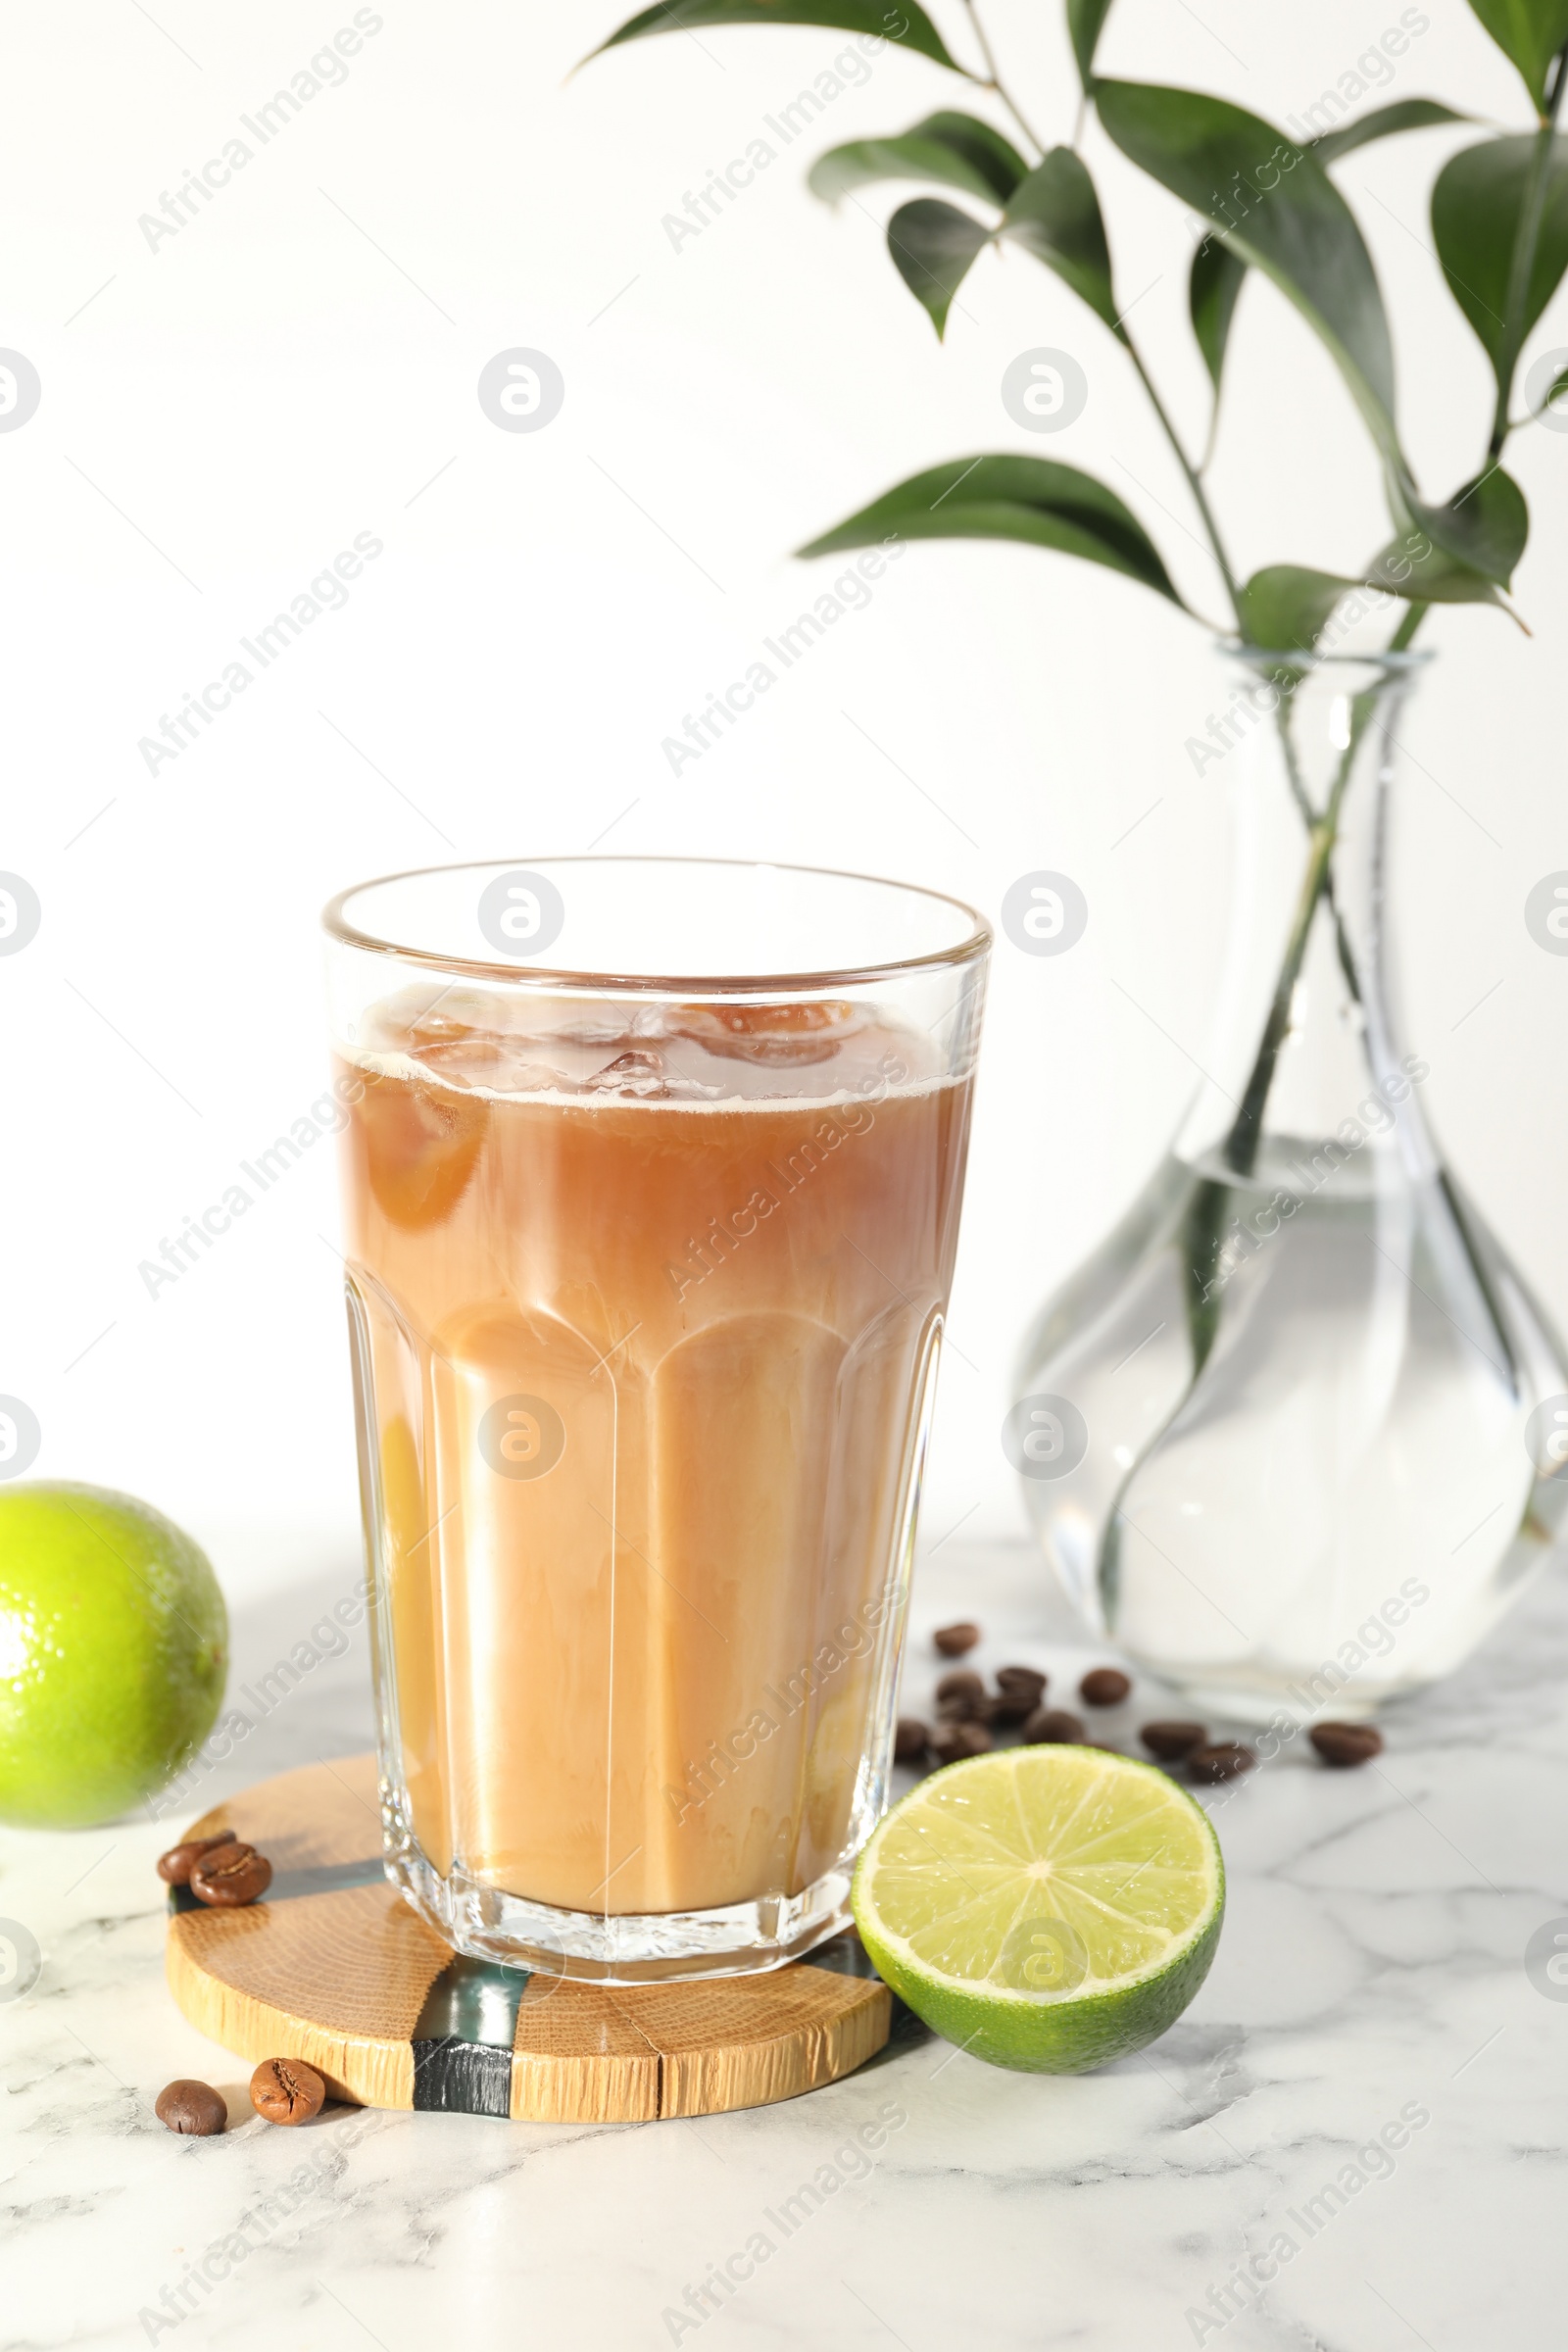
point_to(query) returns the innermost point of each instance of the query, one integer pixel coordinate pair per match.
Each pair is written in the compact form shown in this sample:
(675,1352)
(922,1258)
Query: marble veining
(1352,2141)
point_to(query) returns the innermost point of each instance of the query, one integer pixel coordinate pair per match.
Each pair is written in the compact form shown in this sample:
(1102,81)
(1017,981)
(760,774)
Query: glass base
(590,1948)
(1261,1703)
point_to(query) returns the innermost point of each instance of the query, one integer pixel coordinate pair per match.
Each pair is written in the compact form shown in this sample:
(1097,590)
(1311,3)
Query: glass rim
(977,943)
(1400,663)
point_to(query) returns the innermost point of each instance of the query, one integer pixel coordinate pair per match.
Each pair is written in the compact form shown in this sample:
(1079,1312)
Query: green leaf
(1483,527)
(916,30)
(1280,212)
(1476,206)
(1285,607)
(1459,553)
(932,245)
(1217,273)
(1054,215)
(1031,500)
(958,151)
(1211,290)
(1529,32)
(1085,20)
(1408,114)
(1431,578)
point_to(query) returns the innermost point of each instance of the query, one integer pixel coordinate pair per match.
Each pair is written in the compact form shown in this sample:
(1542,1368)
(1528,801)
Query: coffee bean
(1019,1691)
(285,2090)
(1344,1744)
(227,1876)
(951,1741)
(1170,1741)
(961,1696)
(954,1639)
(1054,1726)
(1222,1762)
(195,2109)
(175,1867)
(910,1741)
(1106,1687)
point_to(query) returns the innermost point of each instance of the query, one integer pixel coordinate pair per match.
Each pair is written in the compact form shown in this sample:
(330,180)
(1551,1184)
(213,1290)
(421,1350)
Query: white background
(298,364)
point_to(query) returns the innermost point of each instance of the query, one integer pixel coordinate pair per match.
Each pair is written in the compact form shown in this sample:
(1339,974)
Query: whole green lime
(114,1648)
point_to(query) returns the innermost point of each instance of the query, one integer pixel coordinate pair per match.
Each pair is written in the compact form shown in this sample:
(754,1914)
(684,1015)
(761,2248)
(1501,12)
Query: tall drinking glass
(653,1171)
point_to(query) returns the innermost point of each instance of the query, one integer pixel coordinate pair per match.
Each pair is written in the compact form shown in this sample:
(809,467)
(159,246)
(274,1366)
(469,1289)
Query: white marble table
(1371,1969)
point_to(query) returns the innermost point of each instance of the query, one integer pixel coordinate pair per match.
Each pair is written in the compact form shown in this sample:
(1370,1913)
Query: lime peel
(114,1647)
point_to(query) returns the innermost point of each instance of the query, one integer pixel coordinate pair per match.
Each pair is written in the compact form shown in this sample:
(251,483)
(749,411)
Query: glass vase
(1296,1432)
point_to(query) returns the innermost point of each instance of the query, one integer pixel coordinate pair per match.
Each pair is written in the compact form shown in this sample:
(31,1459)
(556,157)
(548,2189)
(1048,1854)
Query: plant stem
(1241,1144)
(1414,615)
(1293,765)
(1193,482)
(992,79)
(993,82)
(1309,815)
(1317,882)
(1521,267)
(1191,473)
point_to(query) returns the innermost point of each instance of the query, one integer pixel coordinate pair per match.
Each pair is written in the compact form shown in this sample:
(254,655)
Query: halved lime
(1047,1908)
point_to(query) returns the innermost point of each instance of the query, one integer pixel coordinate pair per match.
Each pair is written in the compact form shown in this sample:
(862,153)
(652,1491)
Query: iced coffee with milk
(647,1296)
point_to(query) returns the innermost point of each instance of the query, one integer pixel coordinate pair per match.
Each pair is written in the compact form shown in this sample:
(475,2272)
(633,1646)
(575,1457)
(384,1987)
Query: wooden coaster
(332,1966)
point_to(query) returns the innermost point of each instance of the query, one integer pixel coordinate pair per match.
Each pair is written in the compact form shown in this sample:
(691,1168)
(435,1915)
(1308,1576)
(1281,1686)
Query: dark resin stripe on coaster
(463,2038)
(322,1878)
